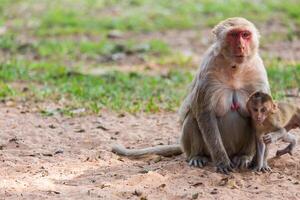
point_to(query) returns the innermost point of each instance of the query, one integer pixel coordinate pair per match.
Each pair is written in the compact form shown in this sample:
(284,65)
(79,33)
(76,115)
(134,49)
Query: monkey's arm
(186,104)
(207,123)
(163,150)
(274,136)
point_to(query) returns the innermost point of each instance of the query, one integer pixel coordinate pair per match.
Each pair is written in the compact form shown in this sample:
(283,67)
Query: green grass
(97,16)
(114,90)
(283,77)
(49,43)
(46,47)
(6,90)
(131,92)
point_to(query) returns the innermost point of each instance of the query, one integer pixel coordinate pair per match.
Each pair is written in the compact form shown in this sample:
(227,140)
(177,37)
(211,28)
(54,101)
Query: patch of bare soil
(70,158)
(283,50)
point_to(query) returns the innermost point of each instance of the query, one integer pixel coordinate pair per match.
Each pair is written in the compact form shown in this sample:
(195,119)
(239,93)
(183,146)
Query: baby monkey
(271,122)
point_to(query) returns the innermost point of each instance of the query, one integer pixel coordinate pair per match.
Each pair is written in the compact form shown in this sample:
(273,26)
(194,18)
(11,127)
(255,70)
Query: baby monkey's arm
(272,137)
(285,136)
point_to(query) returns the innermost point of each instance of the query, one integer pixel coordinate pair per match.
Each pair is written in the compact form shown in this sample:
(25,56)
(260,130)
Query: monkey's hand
(198,161)
(224,167)
(272,137)
(269,138)
(242,162)
(263,168)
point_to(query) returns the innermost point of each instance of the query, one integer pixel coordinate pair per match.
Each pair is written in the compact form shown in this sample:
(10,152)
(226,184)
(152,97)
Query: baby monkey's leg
(261,156)
(290,138)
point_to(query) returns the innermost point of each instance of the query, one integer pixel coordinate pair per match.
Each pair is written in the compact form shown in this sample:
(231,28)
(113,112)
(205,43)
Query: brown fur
(210,129)
(272,121)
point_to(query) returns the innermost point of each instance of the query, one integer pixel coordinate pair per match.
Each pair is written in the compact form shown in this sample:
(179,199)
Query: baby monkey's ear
(274,107)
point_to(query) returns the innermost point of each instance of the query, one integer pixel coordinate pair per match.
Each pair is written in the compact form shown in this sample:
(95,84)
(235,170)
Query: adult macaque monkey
(272,122)
(214,118)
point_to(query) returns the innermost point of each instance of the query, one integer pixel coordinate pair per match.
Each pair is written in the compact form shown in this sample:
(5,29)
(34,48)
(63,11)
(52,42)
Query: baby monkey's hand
(269,138)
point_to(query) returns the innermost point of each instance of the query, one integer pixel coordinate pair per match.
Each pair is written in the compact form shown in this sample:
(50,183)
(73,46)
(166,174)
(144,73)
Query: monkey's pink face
(239,41)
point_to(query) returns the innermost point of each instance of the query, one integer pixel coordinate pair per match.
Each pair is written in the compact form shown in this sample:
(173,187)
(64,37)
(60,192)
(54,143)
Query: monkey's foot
(198,161)
(264,168)
(286,150)
(241,162)
(225,168)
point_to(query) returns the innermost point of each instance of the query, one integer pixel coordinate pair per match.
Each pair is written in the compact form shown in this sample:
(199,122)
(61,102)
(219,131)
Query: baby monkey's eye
(255,109)
(263,110)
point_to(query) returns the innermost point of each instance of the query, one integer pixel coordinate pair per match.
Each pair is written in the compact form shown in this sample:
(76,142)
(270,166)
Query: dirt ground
(69,158)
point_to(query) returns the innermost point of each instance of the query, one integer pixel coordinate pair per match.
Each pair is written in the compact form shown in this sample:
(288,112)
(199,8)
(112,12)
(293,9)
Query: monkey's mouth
(240,56)
(261,121)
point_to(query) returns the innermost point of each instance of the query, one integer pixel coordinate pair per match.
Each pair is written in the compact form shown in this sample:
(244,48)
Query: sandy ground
(69,158)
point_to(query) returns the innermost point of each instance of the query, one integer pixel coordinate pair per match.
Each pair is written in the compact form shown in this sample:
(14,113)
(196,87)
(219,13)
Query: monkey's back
(284,114)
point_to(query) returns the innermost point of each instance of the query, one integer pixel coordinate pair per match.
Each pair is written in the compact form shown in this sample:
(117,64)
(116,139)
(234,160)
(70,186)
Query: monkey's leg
(244,160)
(266,167)
(192,143)
(290,138)
(208,126)
(260,150)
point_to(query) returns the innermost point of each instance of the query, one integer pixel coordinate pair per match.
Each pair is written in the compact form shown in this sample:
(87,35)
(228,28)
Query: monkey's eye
(246,34)
(234,34)
(255,109)
(263,110)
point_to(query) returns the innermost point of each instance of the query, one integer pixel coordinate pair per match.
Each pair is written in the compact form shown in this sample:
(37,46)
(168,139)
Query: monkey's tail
(163,150)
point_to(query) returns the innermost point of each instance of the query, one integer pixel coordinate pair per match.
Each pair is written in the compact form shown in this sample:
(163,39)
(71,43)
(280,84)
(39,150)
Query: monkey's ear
(216,31)
(251,95)
(248,104)
(274,107)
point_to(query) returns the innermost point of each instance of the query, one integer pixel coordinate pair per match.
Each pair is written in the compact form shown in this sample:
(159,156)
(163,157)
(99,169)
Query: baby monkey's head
(260,105)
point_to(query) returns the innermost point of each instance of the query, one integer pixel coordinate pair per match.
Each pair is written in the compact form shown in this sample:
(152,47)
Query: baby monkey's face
(260,105)
(260,111)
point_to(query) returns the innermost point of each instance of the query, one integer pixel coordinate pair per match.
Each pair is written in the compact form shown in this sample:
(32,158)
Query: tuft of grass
(283,77)
(8,43)
(6,91)
(175,59)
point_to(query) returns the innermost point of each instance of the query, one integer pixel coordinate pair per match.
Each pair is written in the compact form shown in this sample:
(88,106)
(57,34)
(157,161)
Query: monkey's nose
(241,47)
(259,118)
